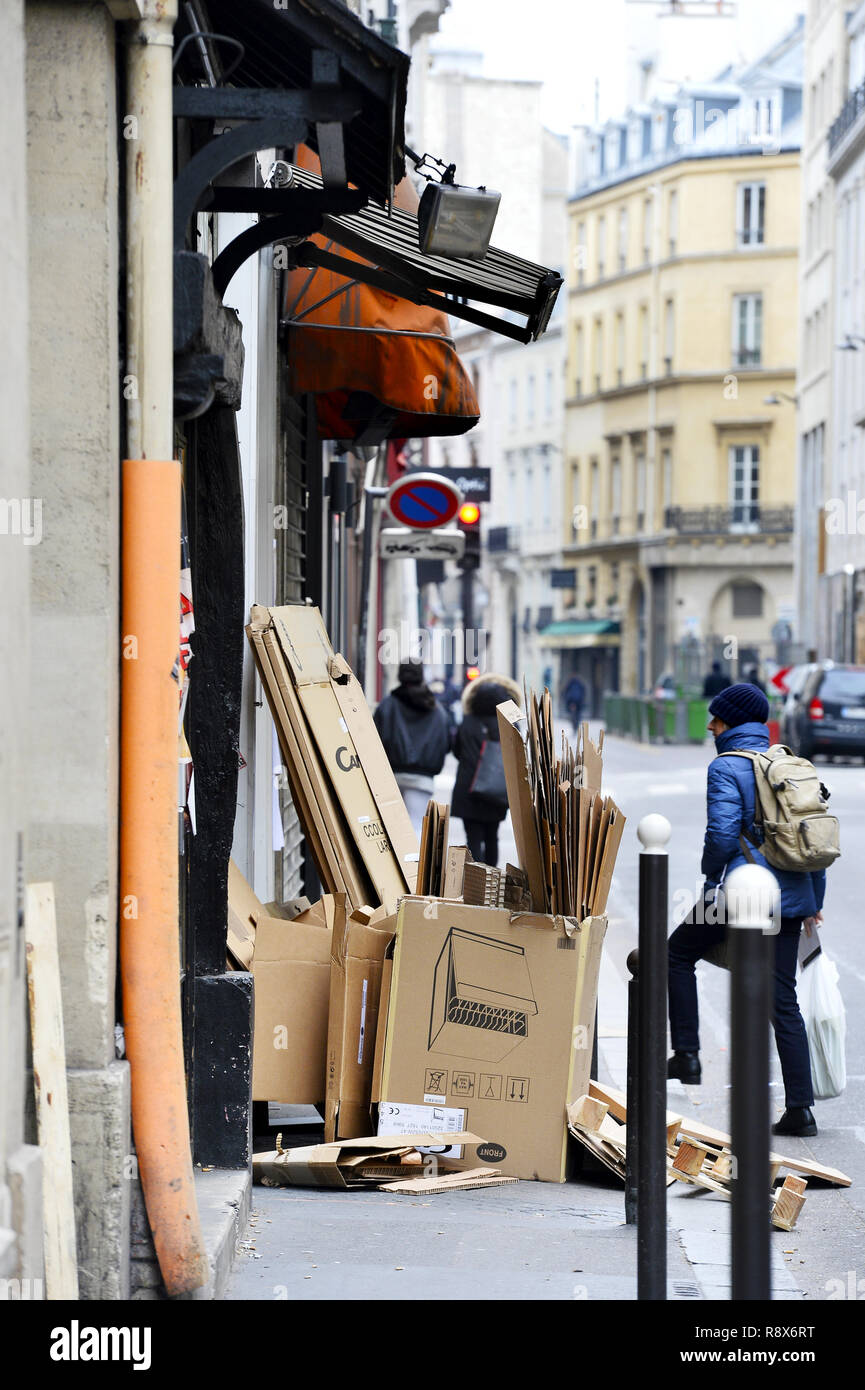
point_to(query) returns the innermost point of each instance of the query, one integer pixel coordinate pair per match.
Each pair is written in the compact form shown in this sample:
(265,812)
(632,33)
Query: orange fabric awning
(379,366)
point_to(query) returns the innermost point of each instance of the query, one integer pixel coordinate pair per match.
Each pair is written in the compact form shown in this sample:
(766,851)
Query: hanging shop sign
(401,543)
(473,483)
(423,501)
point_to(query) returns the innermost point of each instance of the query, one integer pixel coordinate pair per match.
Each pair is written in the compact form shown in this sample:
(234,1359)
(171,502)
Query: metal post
(468,579)
(653,833)
(633,1100)
(751,892)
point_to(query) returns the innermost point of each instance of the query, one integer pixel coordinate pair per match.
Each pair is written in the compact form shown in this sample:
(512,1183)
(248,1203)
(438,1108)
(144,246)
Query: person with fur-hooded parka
(480,816)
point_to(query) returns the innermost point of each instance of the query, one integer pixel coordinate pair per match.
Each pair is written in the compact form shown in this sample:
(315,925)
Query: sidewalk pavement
(528,1241)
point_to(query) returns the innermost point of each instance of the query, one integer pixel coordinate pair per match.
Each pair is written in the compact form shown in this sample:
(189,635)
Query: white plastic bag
(822,1009)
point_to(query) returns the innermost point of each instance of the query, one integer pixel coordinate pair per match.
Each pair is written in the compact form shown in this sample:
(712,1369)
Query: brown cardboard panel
(480,1028)
(520,798)
(323,1165)
(355,989)
(306,649)
(595,929)
(615,830)
(381,1028)
(323,813)
(458,857)
(309,789)
(379,774)
(291,971)
(598,849)
(310,657)
(592,760)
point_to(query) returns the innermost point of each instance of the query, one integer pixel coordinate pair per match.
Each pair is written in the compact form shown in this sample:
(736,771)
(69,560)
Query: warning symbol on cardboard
(490,1086)
(517,1089)
(463,1083)
(436,1080)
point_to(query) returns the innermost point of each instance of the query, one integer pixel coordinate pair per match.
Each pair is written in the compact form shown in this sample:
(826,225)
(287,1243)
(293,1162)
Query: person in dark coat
(574,698)
(752,676)
(739,717)
(480,816)
(714,682)
(416,736)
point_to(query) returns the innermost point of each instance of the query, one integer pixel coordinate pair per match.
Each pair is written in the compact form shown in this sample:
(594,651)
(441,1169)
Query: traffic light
(469,519)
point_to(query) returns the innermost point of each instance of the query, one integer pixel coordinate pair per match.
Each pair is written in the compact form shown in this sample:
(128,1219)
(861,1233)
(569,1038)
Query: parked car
(795,679)
(665,687)
(829,714)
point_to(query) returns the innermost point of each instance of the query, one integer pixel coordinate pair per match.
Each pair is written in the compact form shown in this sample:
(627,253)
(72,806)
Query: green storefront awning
(581,632)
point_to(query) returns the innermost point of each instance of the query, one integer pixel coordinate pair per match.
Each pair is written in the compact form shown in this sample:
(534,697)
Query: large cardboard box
(355,987)
(489,1018)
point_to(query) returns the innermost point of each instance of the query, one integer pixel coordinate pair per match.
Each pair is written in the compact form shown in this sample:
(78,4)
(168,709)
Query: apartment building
(682,348)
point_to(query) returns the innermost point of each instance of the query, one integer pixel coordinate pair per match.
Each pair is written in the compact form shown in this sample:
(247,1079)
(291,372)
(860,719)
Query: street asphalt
(537,1241)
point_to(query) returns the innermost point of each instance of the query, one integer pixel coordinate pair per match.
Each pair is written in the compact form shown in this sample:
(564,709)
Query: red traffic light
(469,514)
(472,673)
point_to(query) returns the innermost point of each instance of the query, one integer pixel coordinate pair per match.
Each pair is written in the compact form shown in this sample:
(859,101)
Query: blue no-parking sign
(424,500)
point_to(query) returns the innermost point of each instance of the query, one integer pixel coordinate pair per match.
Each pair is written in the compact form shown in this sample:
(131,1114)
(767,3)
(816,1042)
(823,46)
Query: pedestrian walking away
(752,676)
(575,698)
(415,733)
(714,682)
(732,838)
(482,811)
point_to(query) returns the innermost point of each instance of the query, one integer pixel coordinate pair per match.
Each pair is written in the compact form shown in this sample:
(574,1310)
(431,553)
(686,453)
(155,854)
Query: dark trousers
(690,943)
(483,840)
(575,711)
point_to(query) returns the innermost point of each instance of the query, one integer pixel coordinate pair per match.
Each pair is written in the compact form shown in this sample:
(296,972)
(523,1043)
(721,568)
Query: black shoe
(685,1067)
(798,1121)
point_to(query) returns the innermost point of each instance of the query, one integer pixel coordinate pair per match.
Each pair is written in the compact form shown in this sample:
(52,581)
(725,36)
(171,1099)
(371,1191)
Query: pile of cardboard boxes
(412,1016)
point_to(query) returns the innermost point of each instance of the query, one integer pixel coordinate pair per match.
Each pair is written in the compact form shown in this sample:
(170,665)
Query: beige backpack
(798,833)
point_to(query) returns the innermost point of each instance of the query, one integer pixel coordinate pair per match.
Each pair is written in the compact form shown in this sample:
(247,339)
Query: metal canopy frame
(280,44)
(389,240)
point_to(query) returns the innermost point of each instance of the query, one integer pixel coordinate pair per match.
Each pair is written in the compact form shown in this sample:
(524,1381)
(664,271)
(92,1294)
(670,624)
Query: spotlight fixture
(453,219)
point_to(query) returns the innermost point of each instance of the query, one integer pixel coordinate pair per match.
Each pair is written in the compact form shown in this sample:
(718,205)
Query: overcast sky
(570,43)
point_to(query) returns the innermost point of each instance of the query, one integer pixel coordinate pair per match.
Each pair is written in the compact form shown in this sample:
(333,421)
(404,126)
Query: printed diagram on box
(463,1083)
(517,1089)
(489,1086)
(482,997)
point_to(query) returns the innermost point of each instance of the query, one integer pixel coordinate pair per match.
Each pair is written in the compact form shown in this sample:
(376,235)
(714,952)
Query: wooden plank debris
(49,1083)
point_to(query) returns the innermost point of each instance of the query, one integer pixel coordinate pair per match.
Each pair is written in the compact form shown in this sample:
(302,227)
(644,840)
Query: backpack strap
(752,759)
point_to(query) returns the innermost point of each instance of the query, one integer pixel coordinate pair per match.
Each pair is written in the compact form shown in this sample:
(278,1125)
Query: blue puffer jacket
(730,804)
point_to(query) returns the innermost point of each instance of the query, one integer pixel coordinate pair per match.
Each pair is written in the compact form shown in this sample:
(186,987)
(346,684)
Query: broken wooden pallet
(716,1139)
(701,1165)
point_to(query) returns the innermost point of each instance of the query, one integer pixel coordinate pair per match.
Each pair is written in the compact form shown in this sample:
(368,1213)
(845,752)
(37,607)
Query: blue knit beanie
(741,704)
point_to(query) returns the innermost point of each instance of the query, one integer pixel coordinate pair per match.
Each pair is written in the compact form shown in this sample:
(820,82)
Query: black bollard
(653,833)
(750,893)
(633,1126)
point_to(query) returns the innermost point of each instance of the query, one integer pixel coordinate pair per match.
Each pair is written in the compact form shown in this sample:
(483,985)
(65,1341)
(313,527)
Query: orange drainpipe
(149,697)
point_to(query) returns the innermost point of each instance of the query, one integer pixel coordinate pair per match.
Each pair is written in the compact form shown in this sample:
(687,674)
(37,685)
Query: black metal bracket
(307,207)
(192,184)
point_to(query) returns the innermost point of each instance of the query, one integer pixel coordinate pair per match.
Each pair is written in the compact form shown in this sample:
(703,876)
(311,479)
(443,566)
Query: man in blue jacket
(739,716)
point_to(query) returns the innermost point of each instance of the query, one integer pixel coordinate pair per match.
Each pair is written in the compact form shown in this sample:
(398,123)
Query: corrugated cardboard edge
(520,799)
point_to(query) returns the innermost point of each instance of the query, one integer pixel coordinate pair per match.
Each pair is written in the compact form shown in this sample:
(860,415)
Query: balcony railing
(719,521)
(849,114)
(746,357)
